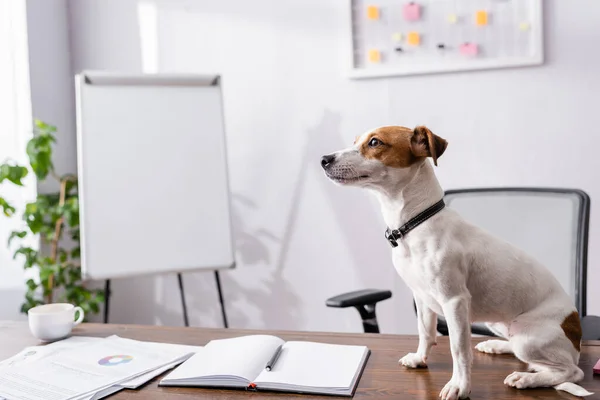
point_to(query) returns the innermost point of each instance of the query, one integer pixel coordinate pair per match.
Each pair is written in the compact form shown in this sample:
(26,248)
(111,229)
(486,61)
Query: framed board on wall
(392,37)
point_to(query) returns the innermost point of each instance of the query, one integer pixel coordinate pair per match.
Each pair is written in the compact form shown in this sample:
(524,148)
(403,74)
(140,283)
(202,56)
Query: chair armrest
(358,298)
(590,325)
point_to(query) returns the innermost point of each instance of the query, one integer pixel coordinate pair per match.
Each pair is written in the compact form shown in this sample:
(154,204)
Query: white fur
(458,270)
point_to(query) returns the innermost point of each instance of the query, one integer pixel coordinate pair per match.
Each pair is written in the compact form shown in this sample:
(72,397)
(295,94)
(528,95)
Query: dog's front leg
(457,311)
(426,323)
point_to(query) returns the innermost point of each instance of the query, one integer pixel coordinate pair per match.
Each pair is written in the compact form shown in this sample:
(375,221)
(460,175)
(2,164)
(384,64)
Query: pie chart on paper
(115,360)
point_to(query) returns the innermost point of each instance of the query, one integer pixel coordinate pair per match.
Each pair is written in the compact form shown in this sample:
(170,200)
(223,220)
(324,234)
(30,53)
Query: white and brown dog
(462,272)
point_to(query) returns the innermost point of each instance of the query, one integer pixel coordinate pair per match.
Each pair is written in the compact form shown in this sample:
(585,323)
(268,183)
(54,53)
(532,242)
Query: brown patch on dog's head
(571,326)
(400,147)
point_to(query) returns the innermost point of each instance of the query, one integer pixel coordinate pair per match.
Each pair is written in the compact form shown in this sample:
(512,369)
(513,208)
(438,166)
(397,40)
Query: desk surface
(382,378)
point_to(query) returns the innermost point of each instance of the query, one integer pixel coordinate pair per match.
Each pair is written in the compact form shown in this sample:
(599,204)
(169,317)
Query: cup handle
(81,315)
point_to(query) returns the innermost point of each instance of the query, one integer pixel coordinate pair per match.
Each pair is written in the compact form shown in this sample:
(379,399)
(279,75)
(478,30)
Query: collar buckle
(392,238)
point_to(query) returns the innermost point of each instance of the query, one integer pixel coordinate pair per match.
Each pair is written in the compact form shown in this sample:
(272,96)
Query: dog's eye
(374,142)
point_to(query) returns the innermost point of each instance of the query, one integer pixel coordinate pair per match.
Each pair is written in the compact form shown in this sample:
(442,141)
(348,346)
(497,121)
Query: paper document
(69,370)
(34,353)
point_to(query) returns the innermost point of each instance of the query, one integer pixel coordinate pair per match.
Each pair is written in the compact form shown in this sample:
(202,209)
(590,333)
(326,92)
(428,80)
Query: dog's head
(383,156)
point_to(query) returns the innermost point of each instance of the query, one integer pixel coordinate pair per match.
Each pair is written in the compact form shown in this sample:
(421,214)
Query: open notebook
(303,367)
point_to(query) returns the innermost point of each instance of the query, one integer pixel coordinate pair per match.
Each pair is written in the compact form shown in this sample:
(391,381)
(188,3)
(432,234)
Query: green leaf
(39,150)
(70,211)
(41,164)
(13,173)
(94,307)
(45,261)
(34,222)
(75,235)
(47,231)
(40,215)
(31,284)
(46,271)
(60,274)
(74,274)
(49,199)
(42,126)
(62,255)
(30,301)
(76,252)
(72,187)
(29,254)
(19,234)
(31,207)
(7,209)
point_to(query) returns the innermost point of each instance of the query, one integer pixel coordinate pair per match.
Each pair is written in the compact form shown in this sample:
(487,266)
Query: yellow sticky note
(397,37)
(524,26)
(372,12)
(374,56)
(452,18)
(413,38)
(481,18)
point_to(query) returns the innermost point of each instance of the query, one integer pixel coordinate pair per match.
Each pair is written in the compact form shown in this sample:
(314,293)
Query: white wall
(300,238)
(52,95)
(15,113)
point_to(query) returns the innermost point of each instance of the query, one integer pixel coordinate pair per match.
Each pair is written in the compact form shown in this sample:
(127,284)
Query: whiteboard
(391,38)
(153,180)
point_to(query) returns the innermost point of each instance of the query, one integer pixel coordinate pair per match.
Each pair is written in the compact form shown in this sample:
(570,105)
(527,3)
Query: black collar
(395,235)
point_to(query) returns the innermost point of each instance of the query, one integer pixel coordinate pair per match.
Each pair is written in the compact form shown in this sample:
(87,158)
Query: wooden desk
(382,378)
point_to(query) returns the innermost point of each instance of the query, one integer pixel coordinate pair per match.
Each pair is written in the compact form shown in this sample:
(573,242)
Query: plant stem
(57,229)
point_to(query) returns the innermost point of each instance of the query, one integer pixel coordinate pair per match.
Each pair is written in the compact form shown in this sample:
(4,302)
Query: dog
(460,271)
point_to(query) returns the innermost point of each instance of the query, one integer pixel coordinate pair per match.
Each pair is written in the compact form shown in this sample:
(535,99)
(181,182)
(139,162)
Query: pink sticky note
(412,12)
(468,49)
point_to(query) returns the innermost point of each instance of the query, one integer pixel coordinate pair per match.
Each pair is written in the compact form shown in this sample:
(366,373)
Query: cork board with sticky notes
(392,37)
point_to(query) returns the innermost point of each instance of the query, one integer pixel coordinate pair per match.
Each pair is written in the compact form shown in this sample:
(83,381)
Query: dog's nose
(327,160)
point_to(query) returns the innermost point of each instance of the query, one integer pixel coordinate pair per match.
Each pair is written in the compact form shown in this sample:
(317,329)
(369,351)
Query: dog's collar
(393,236)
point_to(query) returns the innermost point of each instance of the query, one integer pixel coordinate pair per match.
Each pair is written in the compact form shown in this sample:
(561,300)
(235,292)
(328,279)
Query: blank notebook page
(315,365)
(242,357)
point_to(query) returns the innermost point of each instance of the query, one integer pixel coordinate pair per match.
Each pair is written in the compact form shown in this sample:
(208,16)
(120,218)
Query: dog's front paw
(413,360)
(456,389)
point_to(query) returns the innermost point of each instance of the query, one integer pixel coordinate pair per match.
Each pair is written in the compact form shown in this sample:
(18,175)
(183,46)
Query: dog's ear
(425,143)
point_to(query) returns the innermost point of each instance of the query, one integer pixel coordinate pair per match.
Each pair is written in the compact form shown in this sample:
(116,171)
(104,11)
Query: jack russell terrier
(459,271)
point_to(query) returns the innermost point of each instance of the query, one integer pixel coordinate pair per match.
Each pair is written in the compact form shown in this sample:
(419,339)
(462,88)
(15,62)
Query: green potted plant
(55,218)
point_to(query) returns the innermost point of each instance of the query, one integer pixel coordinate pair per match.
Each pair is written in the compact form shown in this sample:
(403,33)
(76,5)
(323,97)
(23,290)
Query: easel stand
(186,321)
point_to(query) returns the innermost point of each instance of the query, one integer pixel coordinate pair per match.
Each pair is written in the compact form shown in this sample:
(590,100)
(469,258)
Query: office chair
(550,224)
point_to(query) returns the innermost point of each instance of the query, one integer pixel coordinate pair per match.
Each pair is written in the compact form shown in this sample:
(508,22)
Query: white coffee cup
(53,321)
